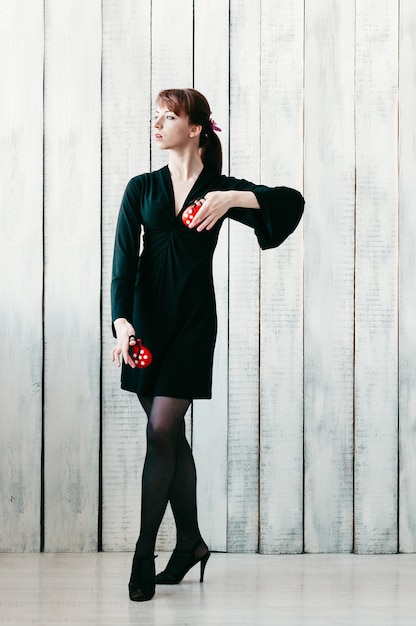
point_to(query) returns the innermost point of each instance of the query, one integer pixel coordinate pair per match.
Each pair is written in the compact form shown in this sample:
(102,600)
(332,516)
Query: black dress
(167,292)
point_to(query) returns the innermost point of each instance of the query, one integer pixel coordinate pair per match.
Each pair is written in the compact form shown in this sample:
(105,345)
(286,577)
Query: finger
(204,217)
(198,217)
(115,356)
(201,213)
(127,358)
(208,223)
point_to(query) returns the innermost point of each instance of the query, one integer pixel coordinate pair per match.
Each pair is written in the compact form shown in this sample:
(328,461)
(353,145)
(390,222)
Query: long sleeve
(281,209)
(126,247)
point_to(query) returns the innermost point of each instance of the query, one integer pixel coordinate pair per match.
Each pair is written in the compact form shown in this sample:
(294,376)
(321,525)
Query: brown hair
(195,106)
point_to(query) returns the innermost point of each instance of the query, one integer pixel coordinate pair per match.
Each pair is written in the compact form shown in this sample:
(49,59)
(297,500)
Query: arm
(281,209)
(217,203)
(124,272)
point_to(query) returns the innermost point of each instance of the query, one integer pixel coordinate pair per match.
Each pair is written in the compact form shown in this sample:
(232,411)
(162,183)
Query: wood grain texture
(126,152)
(250,483)
(407,278)
(295,590)
(329,275)
(72,273)
(281,287)
(243,425)
(209,434)
(376,341)
(21,276)
(172,53)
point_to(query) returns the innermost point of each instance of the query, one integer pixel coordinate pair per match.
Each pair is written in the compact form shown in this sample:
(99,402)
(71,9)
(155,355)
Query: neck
(185,166)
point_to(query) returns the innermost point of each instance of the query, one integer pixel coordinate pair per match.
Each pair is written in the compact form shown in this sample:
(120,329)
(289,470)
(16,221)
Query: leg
(165,421)
(182,495)
(190,548)
(165,417)
(146,402)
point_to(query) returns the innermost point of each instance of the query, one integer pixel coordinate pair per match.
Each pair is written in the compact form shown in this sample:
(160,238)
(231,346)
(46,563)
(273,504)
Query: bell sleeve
(126,251)
(281,209)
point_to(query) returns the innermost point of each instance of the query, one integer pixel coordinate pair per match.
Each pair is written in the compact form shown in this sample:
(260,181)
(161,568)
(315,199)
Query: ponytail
(211,150)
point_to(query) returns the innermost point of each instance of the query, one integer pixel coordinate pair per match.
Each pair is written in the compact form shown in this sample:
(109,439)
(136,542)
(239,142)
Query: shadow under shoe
(142,579)
(181,561)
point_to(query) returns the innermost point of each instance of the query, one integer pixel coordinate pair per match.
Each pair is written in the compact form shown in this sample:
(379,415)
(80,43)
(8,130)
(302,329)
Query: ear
(195,130)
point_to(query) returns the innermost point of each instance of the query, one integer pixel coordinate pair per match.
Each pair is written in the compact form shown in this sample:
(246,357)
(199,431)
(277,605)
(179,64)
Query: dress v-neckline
(172,191)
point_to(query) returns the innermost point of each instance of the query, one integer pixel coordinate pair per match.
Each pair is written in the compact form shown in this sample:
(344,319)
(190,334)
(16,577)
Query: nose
(157,123)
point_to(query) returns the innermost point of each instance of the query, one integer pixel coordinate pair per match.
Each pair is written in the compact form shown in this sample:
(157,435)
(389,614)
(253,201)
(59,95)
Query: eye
(170,117)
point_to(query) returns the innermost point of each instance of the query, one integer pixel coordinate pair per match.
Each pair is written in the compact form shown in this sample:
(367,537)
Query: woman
(166,294)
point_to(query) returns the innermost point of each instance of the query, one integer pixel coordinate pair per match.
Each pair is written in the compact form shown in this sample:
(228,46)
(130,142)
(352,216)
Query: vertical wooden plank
(407,265)
(72,273)
(172,66)
(172,53)
(21,276)
(376,388)
(281,293)
(329,275)
(126,113)
(243,426)
(209,434)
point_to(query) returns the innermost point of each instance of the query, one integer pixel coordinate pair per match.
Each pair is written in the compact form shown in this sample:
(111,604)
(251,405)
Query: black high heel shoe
(142,579)
(181,561)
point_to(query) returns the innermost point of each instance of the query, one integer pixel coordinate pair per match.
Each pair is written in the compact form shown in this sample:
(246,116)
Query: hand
(214,206)
(124,331)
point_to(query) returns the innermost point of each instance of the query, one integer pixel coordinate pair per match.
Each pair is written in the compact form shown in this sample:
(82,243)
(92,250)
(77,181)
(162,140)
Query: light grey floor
(241,590)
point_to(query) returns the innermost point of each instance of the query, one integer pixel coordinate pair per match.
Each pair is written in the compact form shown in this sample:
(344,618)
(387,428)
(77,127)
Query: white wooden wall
(309,441)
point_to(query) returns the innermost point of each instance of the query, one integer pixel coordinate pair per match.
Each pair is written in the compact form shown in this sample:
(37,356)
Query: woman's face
(172,131)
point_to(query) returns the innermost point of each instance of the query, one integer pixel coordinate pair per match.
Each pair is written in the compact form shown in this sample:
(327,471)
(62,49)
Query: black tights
(168,475)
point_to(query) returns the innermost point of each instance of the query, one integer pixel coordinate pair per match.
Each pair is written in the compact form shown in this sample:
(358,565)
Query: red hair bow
(214,126)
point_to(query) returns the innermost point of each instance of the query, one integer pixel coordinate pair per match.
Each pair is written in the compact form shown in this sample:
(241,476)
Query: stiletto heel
(181,561)
(142,578)
(204,561)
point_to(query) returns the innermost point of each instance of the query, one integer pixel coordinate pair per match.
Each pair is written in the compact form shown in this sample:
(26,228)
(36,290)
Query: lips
(157,136)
